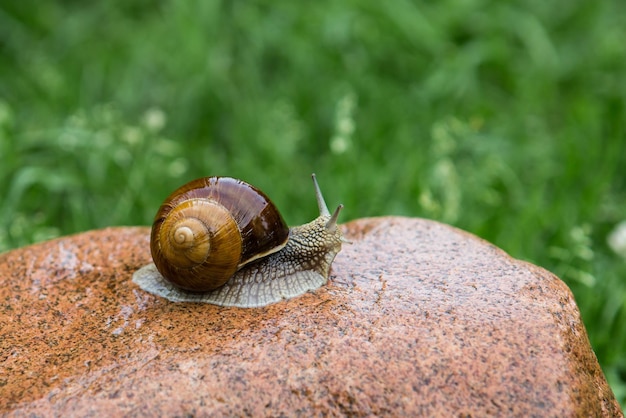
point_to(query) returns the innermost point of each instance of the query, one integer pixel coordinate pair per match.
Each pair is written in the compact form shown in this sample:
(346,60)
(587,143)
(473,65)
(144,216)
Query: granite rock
(417,319)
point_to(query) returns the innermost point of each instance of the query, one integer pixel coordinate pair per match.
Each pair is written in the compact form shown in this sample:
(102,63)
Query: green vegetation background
(504,118)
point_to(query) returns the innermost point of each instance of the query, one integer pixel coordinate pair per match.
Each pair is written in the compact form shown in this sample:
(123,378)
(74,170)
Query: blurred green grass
(504,118)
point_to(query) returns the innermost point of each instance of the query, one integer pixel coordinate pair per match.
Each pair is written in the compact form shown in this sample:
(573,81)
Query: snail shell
(208,228)
(220,240)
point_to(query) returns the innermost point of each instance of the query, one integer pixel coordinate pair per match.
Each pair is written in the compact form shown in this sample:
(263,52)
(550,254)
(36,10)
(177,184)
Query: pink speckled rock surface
(418,319)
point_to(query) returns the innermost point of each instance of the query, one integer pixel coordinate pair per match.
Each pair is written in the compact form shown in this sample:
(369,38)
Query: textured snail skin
(301,265)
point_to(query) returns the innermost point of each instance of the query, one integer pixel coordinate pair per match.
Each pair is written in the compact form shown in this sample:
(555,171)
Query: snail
(220,240)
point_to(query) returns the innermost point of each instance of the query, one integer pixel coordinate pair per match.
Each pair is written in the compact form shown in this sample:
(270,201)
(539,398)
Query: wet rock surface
(418,318)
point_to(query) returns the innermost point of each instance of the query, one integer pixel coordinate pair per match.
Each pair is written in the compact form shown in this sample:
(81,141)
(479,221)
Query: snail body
(222,241)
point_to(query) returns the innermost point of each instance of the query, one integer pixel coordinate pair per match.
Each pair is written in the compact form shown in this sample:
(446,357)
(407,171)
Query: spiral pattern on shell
(209,228)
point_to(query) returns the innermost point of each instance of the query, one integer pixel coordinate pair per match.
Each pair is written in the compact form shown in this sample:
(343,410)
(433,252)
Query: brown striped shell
(209,228)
